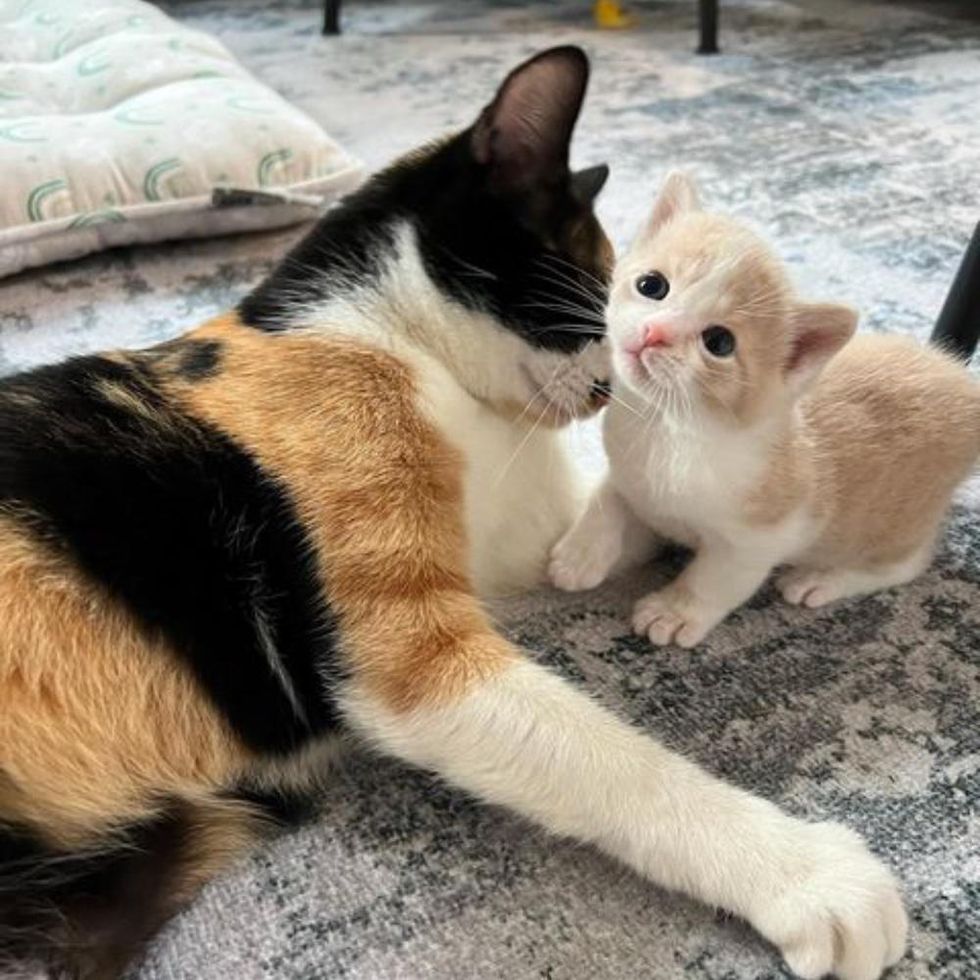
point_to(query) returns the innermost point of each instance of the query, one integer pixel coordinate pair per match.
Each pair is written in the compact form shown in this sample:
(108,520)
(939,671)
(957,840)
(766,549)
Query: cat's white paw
(839,913)
(812,587)
(581,561)
(672,616)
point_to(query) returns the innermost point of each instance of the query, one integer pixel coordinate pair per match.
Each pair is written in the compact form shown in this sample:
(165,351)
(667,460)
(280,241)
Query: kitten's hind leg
(607,536)
(815,587)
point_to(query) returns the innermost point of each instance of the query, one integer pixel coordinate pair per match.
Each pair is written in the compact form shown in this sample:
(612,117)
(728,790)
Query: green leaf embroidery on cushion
(107,216)
(37,197)
(269,161)
(245,104)
(62,44)
(151,182)
(9,94)
(15,133)
(132,117)
(92,65)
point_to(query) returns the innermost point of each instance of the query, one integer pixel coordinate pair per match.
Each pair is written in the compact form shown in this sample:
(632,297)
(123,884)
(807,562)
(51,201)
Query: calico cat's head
(482,247)
(702,313)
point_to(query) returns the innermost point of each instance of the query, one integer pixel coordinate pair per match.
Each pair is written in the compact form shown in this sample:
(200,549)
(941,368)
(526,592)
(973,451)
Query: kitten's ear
(586,184)
(678,194)
(522,137)
(820,330)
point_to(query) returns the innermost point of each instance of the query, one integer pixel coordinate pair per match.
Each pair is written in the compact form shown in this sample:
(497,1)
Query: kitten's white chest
(681,477)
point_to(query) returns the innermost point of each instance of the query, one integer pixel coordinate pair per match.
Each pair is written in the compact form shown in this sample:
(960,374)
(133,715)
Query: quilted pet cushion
(117,125)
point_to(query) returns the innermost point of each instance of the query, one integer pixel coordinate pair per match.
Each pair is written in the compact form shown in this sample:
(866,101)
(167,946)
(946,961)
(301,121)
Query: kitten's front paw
(580,561)
(673,616)
(839,913)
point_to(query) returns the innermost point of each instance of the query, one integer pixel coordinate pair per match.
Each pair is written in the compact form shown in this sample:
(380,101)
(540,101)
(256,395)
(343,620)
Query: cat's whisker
(556,300)
(473,270)
(574,281)
(551,257)
(580,292)
(520,446)
(624,404)
(553,301)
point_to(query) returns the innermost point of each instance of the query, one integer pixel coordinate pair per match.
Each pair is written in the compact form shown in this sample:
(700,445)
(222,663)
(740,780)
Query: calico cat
(750,426)
(220,554)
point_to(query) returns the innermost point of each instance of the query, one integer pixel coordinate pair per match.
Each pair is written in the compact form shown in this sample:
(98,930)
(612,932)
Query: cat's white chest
(521,492)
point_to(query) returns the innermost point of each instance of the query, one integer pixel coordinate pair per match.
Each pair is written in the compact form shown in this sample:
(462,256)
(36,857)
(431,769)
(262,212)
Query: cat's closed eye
(718,341)
(652,285)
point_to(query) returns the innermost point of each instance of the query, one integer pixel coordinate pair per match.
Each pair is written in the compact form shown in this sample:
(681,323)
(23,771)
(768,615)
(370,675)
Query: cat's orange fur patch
(378,489)
(98,722)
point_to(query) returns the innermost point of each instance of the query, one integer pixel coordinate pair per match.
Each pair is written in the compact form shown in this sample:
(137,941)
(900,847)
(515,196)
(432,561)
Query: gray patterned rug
(849,131)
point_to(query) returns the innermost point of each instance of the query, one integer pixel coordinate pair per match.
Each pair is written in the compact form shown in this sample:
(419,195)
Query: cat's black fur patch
(182,525)
(199,360)
(526,251)
(288,808)
(476,248)
(183,359)
(89,912)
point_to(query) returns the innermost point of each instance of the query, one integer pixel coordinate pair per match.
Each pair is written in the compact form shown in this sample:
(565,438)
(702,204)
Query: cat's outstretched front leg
(513,734)
(718,580)
(607,536)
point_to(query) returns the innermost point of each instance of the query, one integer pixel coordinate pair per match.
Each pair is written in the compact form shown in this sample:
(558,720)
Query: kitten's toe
(806,587)
(663,619)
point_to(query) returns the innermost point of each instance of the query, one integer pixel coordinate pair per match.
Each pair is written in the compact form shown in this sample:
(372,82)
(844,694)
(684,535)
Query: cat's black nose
(600,391)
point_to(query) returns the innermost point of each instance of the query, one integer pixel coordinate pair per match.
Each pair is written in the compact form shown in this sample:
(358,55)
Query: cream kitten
(748,425)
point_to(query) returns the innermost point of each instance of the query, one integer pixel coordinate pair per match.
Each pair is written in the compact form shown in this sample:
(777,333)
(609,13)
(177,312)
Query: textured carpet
(849,132)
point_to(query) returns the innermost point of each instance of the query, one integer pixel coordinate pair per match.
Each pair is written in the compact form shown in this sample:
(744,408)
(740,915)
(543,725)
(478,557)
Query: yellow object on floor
(610,14)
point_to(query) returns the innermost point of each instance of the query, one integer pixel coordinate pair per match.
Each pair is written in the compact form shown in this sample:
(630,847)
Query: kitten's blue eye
(653,285)
(718,341)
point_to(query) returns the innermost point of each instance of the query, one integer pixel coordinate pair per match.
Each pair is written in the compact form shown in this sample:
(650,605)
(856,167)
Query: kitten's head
(488,241)
(702,314)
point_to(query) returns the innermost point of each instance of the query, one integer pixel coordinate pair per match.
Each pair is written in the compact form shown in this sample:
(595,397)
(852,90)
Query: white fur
(528,741)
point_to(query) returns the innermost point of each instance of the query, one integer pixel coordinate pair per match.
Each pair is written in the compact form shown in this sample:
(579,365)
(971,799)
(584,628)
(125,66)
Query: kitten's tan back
(895,428)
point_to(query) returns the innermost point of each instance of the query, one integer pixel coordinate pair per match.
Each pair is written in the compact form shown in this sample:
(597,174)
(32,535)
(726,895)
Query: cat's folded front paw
(673,616)
(839,913)
(579,563)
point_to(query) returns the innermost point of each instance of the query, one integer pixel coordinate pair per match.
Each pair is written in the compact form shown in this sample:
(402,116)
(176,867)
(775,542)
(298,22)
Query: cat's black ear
(586,184)
(522,137)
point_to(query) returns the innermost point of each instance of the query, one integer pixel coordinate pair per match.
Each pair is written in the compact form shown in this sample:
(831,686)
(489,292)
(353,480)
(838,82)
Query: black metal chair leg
(708,17)
(958,327)
(331,16)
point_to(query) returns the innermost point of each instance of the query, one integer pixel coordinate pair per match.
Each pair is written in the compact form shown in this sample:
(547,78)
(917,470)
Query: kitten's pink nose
(657,335)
